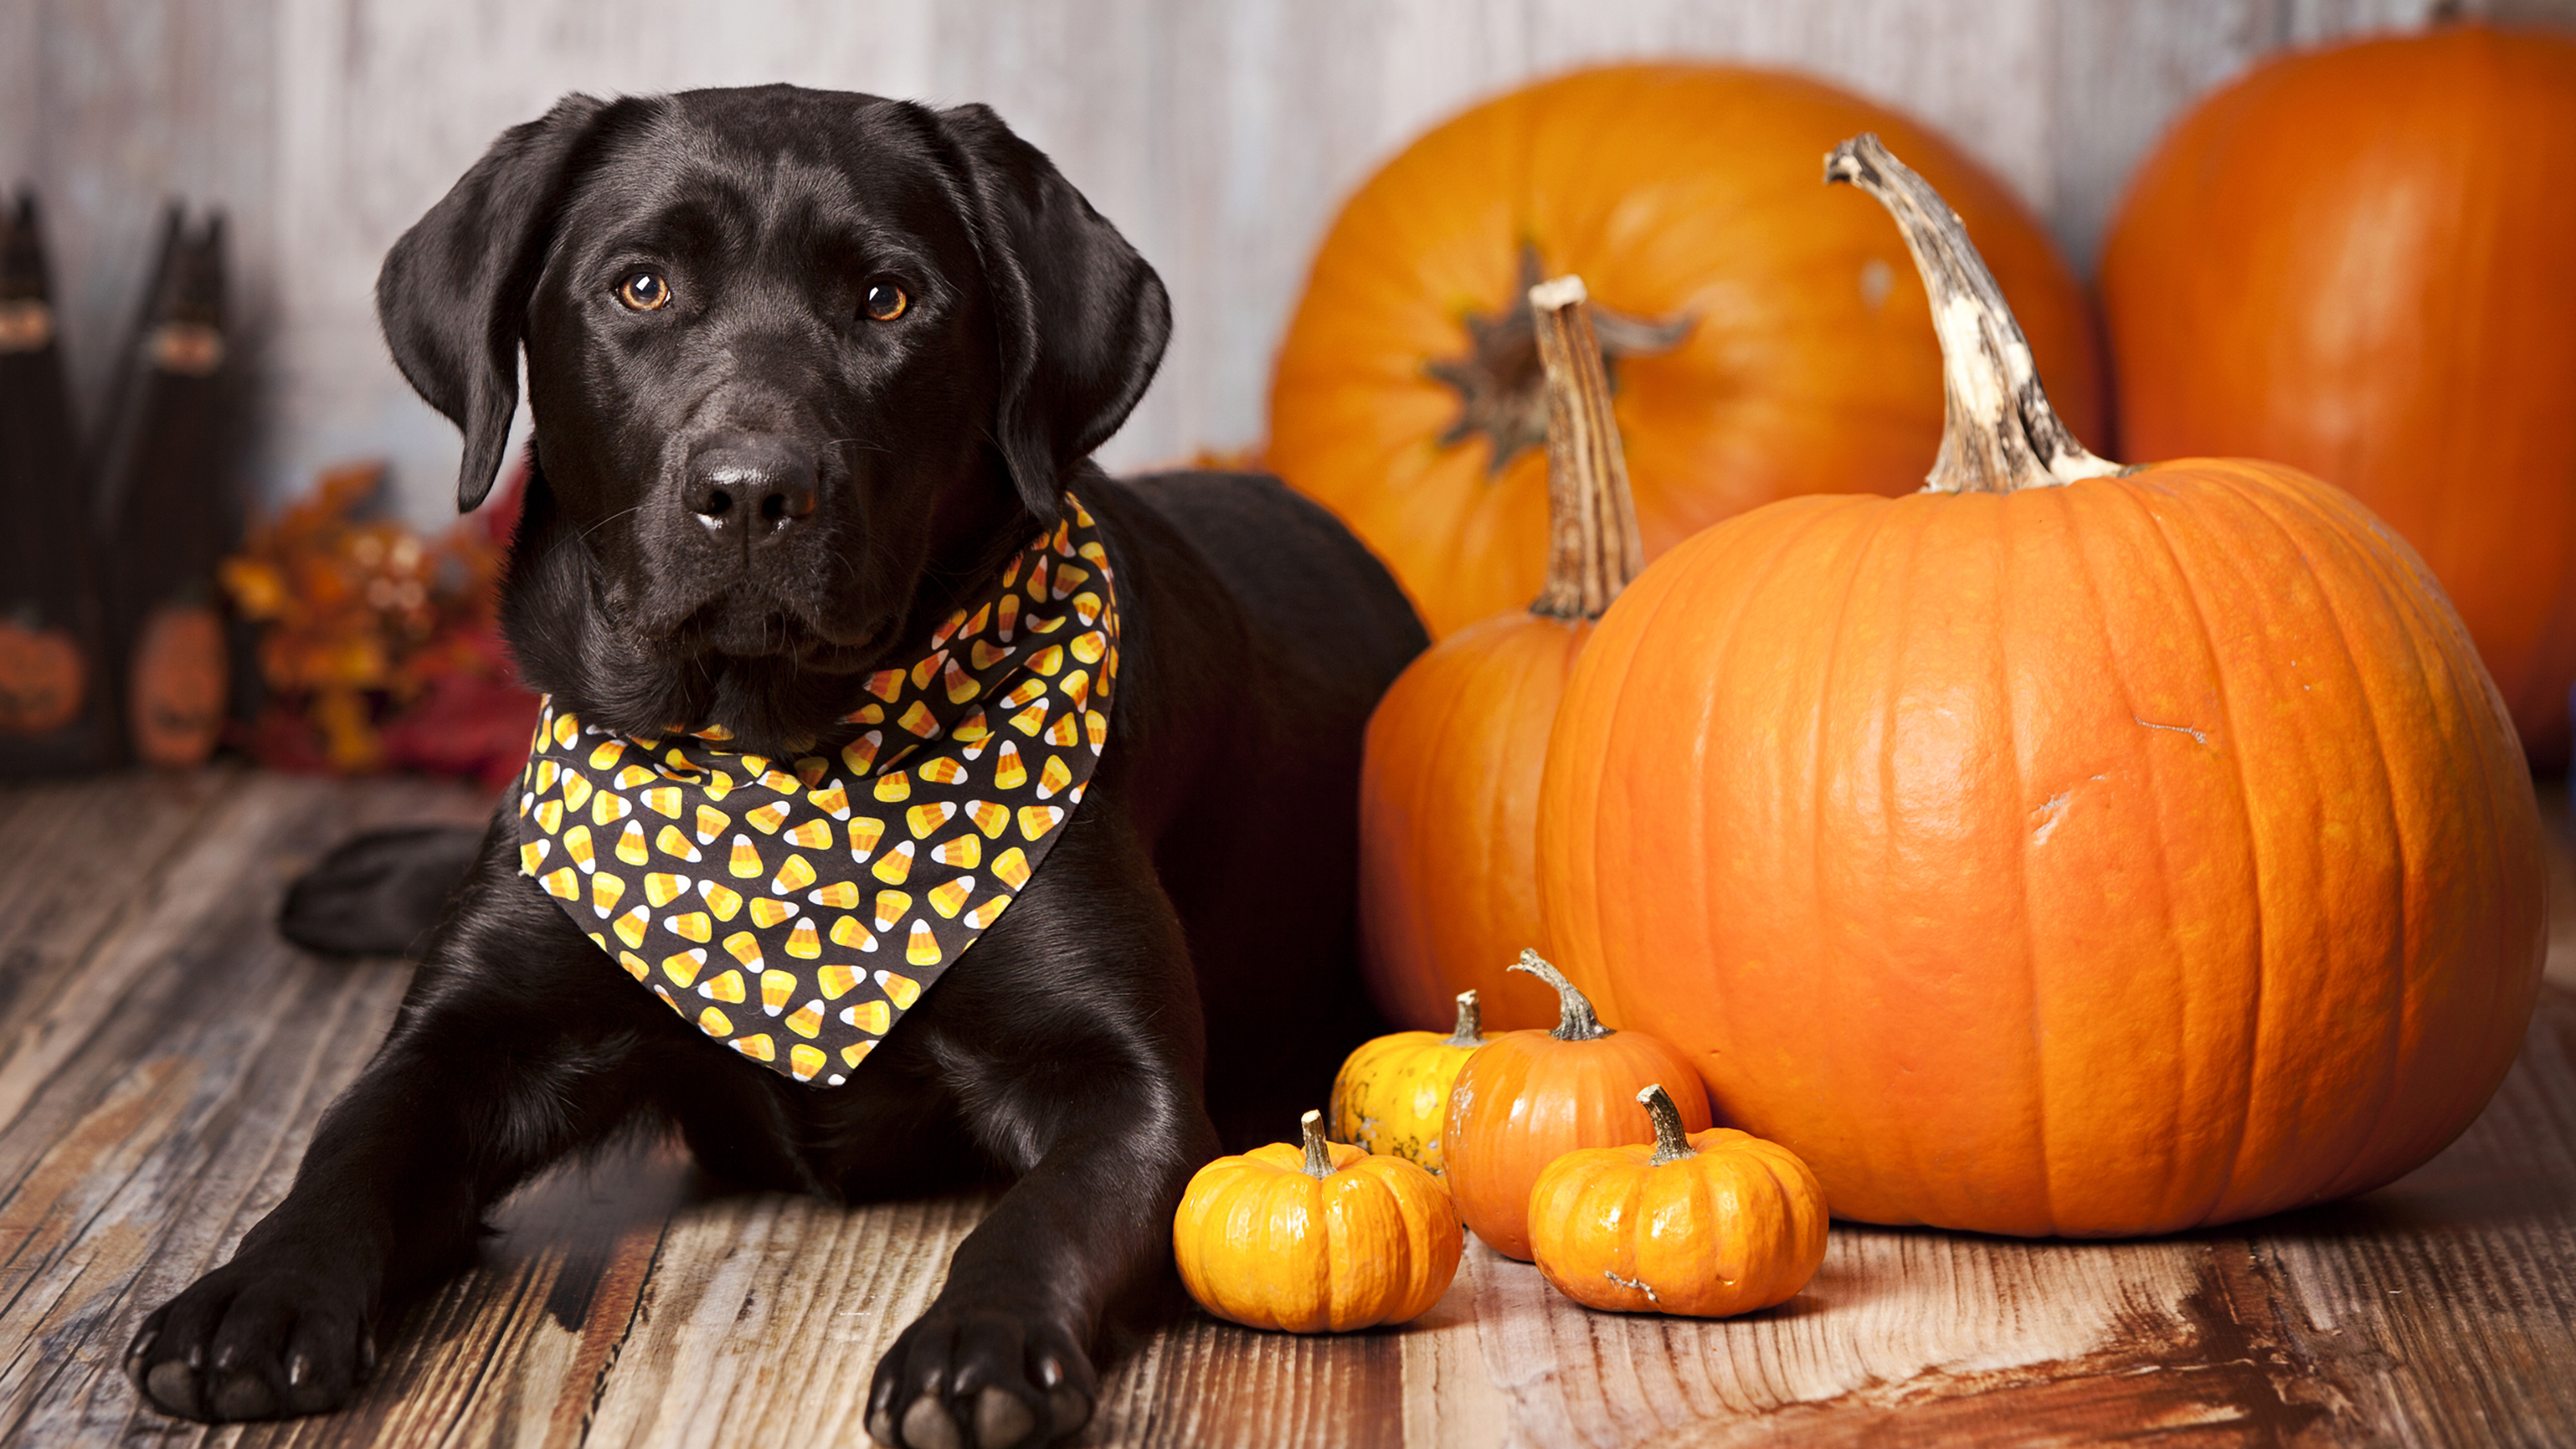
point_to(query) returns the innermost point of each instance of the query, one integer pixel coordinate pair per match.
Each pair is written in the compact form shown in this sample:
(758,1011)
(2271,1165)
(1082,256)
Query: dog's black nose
(750,483)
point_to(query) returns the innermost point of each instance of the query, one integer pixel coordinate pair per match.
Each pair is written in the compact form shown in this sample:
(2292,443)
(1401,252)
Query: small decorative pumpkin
(1529,1097)
(177,685)
(40,679)
(1449,783)
(1746,318)
(2063,849)
(1320,1240)
(1393,1093)
(2360,260)
(1706,1224)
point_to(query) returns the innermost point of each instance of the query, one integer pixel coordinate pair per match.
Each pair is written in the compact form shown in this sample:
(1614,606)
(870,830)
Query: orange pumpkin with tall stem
(1449,783)
(2063,849)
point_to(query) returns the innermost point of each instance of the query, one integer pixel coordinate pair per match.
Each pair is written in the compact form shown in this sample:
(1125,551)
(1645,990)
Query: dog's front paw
(248,1343)
(980,1379)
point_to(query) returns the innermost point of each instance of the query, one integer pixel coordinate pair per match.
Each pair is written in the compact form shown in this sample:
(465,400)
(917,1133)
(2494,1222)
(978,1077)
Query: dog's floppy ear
(453,296)
(1082,318)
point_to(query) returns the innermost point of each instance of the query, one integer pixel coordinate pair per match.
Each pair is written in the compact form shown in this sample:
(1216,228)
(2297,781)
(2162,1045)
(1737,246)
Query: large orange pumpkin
(2063,849)
(1449,781)
(2362,262)
(1753,319)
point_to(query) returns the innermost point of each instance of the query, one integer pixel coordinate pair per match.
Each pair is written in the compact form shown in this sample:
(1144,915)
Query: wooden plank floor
(163,1057)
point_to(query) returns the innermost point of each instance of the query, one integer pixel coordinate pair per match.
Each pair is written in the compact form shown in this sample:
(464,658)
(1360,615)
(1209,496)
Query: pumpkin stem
(1319,1158)
(1593,547)
(1998,434)
(1672,1144)
(1471,1021)
(1574,1017)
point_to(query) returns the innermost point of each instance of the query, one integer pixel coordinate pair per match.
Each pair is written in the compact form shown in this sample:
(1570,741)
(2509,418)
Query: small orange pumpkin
(1321,1239)
(1449,782)
(1706,1224)
(1530,1097)
(1393,1093)
(175,705)
(40,679)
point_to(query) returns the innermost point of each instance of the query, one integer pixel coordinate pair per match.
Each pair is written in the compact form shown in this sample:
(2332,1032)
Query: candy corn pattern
(836,884)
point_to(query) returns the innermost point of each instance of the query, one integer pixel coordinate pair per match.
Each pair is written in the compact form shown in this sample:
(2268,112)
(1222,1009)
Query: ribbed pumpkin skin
(2102,859)
(2362,262)
(1392,1095)
(1741,1226)
(1262,1244)
(1671,189)
(1449,821)
(1527,1099)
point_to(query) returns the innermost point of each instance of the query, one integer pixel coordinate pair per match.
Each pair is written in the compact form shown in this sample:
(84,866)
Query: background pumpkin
(41,679)
(2361,262)
(1681,193)
(1449,781)
(2102,856)
(176,686)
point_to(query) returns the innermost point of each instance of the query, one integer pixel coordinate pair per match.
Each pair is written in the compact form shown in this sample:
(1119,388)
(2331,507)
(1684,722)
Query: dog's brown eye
(886,302)
(644,292)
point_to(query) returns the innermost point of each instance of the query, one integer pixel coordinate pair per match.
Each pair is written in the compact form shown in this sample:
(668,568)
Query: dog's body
(753,485)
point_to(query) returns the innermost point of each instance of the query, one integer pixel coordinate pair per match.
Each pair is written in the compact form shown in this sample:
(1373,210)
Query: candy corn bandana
(795,908)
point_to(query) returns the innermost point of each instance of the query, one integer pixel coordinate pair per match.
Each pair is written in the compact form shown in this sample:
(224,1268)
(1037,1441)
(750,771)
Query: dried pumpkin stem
(1998,433)
(1593,545)
(1672,1144)
(1471,1021)
(1319,1157)
(1575,1020)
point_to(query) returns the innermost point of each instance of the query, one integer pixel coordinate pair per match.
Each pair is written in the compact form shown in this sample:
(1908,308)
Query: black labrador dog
(807,369)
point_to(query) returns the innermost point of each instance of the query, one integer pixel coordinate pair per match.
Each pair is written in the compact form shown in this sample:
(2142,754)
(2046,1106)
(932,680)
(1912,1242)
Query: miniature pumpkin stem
(1319,1157)
(1575,1020)
(1593,545)
(1471,1021)
(1672,1144)
(1998,434)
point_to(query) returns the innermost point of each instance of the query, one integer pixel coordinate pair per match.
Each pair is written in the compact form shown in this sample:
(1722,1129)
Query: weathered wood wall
(1220,134)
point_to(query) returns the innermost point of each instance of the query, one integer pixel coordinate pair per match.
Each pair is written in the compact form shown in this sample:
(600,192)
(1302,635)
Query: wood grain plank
(185,1054)
(161,1098)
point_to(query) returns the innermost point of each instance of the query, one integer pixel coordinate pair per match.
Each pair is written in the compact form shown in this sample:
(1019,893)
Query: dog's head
(803,364)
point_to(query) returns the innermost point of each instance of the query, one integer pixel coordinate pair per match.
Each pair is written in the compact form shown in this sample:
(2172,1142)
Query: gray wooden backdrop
(1219,134)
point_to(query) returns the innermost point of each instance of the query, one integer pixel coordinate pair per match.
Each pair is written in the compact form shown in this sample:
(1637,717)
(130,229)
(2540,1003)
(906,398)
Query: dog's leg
(1075,1057)
(513,1048)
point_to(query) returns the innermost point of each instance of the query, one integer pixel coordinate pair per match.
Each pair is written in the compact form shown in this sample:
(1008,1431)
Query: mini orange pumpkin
(1530,1097)
(1449,783)
(1323,1239)
(1393,1093)
(1705,1224)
